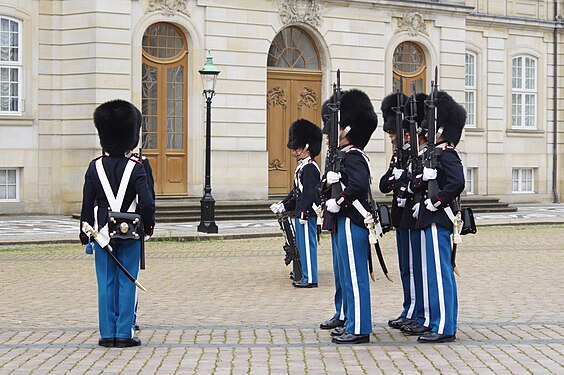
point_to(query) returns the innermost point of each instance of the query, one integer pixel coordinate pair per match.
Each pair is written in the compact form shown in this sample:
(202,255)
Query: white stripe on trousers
(409,314)
(440,290)
(308,252)
(354,278)
(425,279)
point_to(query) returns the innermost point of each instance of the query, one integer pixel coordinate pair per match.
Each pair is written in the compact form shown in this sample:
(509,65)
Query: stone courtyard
(228,307)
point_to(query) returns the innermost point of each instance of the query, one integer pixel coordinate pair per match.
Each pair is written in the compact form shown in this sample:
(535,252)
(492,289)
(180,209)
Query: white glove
(303,222)
(429,174)
(415,210)
(332,206)
(146,238)
(397,173)
(429,205)
(333,177)
(277,208)
(401,202)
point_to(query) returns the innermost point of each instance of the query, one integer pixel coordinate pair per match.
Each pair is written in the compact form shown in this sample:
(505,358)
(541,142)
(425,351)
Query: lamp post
(209,75)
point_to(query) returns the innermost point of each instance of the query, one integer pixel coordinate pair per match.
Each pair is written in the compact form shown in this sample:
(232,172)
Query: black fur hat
(118,123)
(304,132)
(357,112)
(389,115)
(451,117)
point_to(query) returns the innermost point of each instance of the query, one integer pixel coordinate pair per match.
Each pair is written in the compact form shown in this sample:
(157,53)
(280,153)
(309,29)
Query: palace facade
(59,59)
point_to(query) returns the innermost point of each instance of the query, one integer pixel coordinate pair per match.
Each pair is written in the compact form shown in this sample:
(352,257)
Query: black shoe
(400,322)
(126,343)
(332,323)
(107,342)
(338,331)
(415,329)
(436,338)
(349,338)
(303,284)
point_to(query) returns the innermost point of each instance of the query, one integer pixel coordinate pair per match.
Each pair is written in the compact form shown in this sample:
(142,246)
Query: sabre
(87,228)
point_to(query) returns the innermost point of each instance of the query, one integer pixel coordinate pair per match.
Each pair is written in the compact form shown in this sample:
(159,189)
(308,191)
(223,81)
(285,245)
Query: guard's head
(305,135)
(118,123)
(358,119)
(451,118)
(389,103)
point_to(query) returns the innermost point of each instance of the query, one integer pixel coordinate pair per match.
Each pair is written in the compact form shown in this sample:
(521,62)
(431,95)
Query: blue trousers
(337,271)
(353,249)
(443,298)
(306,239)
(117,295)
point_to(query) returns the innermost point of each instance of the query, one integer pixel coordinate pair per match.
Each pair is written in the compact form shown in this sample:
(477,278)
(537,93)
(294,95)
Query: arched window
(293,48)
(409,65)
(164,106)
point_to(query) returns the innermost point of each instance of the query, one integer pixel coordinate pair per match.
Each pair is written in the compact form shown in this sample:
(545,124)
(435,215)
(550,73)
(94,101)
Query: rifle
(292,253)
(399,129)
(142,250)
(416,164)
(430,160)
(334,158)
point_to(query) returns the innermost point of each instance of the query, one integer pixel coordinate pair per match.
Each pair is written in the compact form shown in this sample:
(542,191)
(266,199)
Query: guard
(118,209)
(304,141)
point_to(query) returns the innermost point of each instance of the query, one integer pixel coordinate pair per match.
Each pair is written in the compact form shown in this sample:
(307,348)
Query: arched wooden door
(293,92)
(409,64)
(164,107)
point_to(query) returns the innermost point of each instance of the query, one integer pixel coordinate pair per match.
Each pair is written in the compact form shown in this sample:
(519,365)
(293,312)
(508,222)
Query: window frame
(471,89)
(17,184)
(520,181)
(15,65)
(518,88)
(471,181)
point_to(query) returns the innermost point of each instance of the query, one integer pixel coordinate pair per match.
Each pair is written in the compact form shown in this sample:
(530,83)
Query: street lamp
(209,75)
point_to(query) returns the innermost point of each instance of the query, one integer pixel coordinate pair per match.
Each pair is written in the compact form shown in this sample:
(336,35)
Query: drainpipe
(557,20)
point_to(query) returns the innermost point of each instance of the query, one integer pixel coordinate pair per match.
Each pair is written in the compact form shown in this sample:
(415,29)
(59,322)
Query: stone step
(187,209)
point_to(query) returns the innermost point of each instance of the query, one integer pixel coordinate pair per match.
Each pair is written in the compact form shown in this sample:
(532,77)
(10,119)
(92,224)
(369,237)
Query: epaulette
(135,157)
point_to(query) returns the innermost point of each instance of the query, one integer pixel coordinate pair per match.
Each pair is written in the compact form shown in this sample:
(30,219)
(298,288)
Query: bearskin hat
(304,132)
(358,113)
(118,123)
(451,116)
(389,115)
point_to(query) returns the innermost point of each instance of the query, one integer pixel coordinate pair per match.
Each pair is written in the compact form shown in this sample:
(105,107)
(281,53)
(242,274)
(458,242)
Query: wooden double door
(291,95)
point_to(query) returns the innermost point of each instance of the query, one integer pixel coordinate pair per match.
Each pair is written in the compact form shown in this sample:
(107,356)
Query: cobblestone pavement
(228,307)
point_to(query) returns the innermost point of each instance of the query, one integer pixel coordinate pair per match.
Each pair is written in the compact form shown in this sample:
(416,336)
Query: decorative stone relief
(306,11)
(414,24)
(276,96)
(168,7)
(308,98)
(276,165)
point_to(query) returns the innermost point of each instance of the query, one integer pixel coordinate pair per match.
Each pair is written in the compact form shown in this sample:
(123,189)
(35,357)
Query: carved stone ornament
(414,24)
(308,98)
(276,96)
(276,165)
(168,7)
(306,11)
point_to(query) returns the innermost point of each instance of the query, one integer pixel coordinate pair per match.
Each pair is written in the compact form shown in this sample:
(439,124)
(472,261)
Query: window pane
(3,177)
(470,108)
(3,192)
(11,192)
(469,71)
(516,73)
